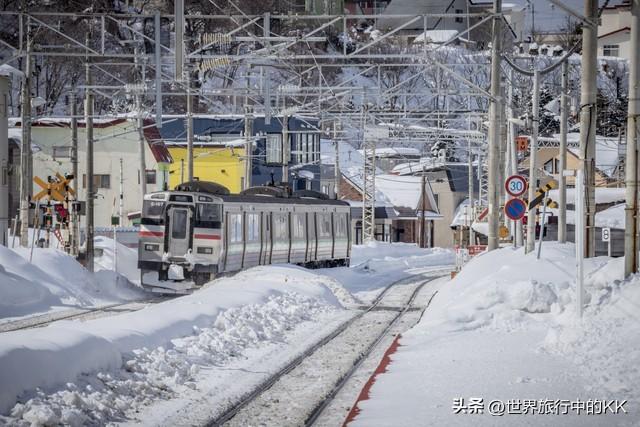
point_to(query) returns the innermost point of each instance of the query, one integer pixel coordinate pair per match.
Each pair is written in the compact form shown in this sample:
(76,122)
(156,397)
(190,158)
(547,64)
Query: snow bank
(161,345)
(127,262)
(372,268)
(517,315)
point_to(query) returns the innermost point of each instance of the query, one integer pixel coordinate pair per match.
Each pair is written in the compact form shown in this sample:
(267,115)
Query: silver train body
(189,237)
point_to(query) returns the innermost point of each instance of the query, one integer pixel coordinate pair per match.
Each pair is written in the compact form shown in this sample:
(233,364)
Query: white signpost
(606,237)
(579,238)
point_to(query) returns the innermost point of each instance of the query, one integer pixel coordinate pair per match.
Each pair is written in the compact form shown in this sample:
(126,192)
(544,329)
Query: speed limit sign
(515,185)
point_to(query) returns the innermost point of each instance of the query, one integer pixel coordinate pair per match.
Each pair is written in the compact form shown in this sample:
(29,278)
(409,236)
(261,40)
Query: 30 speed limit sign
(515,185)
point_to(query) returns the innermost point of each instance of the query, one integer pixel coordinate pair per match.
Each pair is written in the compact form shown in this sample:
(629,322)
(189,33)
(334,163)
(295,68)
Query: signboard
(503,232)
(606,234)
(515,209)
(515,185)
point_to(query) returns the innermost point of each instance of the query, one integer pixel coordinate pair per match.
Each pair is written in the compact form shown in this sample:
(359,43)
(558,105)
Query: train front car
(180,240)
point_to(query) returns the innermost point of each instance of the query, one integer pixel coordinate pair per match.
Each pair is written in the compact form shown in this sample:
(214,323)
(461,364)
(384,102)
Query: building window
(99,181)
(459,12)
(611,50)
(61,152)
(274,148)
(150,176)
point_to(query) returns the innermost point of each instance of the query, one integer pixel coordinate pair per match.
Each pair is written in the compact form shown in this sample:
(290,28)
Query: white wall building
(614,32)
(115,140)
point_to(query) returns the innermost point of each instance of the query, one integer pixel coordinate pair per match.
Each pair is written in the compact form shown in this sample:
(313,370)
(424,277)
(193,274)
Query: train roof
(242,198)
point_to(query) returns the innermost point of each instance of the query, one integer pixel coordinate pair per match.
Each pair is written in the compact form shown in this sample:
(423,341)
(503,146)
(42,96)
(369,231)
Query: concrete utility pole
(513,155)
(91,192)
(248,145)
(423,190)
(562,198)
(75,229)
(141,139)
(25,150)
(471,207)
(633,139)
(588,118)
(533,169)
(189,130)
(4,160)
(121,198)
(494,127)
(286,146)
(336,169)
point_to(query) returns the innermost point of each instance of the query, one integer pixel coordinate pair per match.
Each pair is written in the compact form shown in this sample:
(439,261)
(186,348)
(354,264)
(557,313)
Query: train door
(179,234)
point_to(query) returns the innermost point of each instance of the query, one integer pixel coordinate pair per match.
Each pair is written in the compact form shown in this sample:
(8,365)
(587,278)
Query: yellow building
(215,163)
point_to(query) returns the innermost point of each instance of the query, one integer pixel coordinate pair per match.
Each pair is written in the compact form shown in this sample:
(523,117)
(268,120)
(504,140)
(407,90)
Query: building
(116,159)
(219,150)
(614,31)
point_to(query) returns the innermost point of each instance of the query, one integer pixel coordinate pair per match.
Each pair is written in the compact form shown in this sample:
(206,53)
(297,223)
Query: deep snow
(506,328)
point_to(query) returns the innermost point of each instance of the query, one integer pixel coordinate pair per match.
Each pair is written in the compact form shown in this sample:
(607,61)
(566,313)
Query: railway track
(341,348)
(43,320)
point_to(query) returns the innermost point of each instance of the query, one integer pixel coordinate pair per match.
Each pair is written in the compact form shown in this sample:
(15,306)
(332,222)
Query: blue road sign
(515,209)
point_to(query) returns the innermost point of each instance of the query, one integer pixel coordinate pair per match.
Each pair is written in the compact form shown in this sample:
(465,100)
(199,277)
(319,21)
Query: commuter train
(199,230)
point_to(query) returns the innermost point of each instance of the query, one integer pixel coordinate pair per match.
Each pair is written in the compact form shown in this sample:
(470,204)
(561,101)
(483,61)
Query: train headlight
(205,250)
(150,247)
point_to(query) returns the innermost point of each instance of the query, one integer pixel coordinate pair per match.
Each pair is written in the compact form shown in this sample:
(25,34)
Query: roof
(156,144)
(436,36)
(460,216)
(619,30)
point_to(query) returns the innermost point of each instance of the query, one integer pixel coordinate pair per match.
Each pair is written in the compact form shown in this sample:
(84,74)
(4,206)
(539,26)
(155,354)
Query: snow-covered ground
(112,368)
(506,329)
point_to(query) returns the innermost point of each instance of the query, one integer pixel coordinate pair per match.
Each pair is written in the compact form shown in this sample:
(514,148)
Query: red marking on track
(207,236)
(381,369)
(147,233)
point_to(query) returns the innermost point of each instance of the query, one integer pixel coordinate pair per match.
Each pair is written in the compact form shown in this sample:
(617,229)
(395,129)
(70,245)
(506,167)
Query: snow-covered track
(43,320)
(393,297)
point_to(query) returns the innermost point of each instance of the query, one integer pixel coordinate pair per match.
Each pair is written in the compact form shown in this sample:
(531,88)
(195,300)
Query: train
(198,231)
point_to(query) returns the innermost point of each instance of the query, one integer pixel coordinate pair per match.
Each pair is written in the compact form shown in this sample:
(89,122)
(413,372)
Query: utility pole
(562,198)
(533,169)
(513,154)
(4,160)
(248,145)
(588,118)
(633,136)
(141,139)
(121,198)
(285,148)
(88,113)
(189,130)
(423,190)
(75,216)
(336,169)
(471,201)
(494,127)
(25,148)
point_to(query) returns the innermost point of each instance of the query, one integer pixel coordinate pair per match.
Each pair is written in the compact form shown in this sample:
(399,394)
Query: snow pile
(127,262)
(164,371)
(372,268)
(518,316)
(24,288)
(158,349)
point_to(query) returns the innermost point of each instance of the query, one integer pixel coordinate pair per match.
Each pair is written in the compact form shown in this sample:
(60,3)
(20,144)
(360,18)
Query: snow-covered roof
(603,195)
(436,36)
(460,216)
(395,151)
(606,151)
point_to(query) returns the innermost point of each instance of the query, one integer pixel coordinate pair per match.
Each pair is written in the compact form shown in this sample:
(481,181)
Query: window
(152,208)
(253,227)
(61,152)
(208,215)
(298,226)
(235,228)
(150,176)
(341,225)
(459,12)
(611,50)
(324,225)
(274,148)
(99,181)
(280,227)
(179,224)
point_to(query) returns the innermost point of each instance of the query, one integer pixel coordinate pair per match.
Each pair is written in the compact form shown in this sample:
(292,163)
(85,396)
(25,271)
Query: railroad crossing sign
(515,209)
(56,189)
(515,185)
(540,193)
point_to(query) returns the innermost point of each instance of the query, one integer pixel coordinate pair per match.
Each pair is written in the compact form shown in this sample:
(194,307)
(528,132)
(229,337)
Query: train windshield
(153,208)
(208,215)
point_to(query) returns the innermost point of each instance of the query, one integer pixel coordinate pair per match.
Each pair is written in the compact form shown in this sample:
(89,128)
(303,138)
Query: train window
(180,198)
(341,226)
(253,227)
(235,228)
(280,226)
(152,208)
(298,226)
(324,225)
(179,226)
(208,215)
